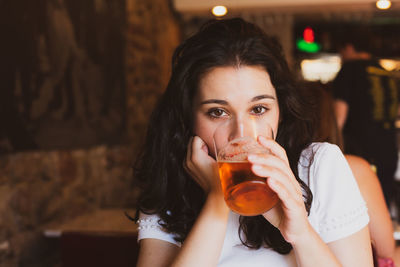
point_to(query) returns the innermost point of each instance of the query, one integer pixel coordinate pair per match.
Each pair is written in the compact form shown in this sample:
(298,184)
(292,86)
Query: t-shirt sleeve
(149,227)
(339,209)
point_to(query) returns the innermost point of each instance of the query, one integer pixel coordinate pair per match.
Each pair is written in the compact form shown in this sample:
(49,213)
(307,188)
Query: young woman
(232,70)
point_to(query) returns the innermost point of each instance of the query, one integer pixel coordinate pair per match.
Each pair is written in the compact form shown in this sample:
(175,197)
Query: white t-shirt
(337,211)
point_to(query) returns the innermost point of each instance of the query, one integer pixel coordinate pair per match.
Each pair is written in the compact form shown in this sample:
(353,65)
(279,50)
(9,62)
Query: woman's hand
(202,167)
(289,215)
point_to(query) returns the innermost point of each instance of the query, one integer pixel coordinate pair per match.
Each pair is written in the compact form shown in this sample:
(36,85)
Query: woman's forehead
(243,81)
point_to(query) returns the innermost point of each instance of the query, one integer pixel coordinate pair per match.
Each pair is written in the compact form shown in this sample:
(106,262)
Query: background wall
(63,73)
(78,85)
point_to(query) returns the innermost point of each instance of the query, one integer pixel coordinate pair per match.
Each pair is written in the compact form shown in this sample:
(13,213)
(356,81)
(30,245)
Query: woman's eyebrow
(224,102)
(214,101)
(259,97)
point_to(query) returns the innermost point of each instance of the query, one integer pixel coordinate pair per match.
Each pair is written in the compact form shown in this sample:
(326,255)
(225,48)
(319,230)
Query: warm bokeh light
(219,11)
(383,4)
(322,69)
(390,64)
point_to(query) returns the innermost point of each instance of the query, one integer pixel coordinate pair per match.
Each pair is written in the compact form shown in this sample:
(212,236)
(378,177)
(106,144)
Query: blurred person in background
(366,106)
(380,225)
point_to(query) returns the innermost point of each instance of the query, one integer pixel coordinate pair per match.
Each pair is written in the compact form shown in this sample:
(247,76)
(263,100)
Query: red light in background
(308,35)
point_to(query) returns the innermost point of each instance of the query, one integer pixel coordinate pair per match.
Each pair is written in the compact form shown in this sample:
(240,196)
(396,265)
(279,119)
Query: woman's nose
(240,128)
(235,130)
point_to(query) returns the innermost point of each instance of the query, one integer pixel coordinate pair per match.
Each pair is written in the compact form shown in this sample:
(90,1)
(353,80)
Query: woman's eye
(258,110)
(217,113)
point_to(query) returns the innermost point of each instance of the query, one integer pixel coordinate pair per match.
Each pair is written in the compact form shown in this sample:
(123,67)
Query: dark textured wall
(152,34)
(63,80)
(83,76)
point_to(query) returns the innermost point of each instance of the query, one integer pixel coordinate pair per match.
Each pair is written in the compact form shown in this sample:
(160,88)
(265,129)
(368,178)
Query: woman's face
(240,95)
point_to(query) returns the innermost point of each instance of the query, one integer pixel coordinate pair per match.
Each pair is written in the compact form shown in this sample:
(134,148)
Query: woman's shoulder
(357,162)
(319,149)
(323,167)
(363,171)
(318,161)
(338,209)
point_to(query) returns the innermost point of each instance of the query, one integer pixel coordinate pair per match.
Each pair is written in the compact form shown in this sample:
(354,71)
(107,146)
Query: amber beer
(244,192)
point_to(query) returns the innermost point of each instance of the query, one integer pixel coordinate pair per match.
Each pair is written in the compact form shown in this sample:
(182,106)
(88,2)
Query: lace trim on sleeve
(148,223)
(349,218)
(149,227)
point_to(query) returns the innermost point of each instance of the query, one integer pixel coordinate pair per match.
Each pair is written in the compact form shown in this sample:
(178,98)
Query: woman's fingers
(289,199)
(277,175)
(288,214)
(270,160)
(188,156)
(190,165)
(197,152)
(280,153)
(271,166)
(199,164)
(274,147)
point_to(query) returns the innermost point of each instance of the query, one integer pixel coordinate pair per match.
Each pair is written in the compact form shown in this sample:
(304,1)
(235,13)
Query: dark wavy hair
(326,127)
(166,189)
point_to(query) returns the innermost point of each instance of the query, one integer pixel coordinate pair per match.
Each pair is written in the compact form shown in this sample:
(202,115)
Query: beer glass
(245,193)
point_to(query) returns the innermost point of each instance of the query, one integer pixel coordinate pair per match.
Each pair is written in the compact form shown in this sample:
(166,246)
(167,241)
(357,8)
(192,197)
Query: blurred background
(79,80)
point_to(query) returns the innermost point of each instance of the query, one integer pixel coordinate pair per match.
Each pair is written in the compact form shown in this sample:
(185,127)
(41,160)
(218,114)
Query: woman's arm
(380,226)
(203,245)
(354,250)
(156,252)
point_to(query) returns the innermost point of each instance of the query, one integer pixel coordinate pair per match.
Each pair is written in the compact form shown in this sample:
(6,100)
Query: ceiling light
(383,4)
(219,11)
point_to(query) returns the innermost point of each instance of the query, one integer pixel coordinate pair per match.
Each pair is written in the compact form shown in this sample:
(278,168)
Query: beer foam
(238,149)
